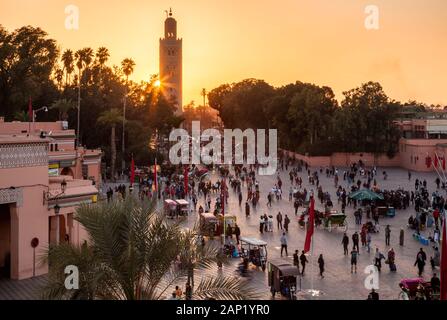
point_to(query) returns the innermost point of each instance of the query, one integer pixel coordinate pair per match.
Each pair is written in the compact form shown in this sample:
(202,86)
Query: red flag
(222,195)
(436,161)
(310,225)
(185,178)
(132,172)
(428,162)
(30,110)
(443,270)
(155,176)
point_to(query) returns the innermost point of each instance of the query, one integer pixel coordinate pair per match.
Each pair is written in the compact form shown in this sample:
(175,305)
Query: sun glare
(157,83)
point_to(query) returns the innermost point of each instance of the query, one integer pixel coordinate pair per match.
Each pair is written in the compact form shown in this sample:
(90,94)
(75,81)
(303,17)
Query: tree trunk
(113,152)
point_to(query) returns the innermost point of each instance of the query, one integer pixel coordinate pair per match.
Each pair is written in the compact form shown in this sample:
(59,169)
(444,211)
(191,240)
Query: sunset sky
(281,41)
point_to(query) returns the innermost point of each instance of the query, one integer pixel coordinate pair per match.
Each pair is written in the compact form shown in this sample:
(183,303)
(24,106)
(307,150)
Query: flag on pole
(444,261)
(30,110)
(222,195)
(155,176)
(132,172)
(310,225)
(185,180)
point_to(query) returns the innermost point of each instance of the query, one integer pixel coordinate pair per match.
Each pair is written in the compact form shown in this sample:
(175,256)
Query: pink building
(423,146)
(42,181)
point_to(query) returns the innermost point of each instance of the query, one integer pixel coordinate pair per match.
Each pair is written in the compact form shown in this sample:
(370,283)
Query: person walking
(261,224)
(378,259)
(286,223)
(303,260)
(355,241)
(401,237)
(387,234)
(279,220)
(188,291)
(392,260)
(240,198)
(247,209)
(368,242)
(283,243)
(345,242)
(421,257)
(321,265)
(296,260)
(354,256)
(237,232)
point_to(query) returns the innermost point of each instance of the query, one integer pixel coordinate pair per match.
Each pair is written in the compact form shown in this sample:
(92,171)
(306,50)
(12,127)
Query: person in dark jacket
(321,265)
(345,242)
(296,261)
(237,232)
(421,257)
(303,260)
(286,223)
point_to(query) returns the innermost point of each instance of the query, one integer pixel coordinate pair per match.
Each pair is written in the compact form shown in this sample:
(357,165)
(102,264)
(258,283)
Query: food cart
(170,208)
(182,207)
(334,219)
(208,224)
(229,220)
(282,278)
(255,250)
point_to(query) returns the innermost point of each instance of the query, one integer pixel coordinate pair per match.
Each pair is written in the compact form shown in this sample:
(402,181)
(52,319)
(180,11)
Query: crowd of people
(427,208)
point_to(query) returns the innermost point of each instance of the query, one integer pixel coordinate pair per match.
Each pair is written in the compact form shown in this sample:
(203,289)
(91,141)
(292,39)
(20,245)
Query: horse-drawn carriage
(333,219)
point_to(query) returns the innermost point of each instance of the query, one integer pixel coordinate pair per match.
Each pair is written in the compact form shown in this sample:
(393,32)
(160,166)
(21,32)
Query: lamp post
(57,210)
(44,108)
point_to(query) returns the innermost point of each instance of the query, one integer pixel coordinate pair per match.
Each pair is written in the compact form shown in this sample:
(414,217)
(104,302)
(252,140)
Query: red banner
(30,110)
(310,225)
(155,176)
(185,177)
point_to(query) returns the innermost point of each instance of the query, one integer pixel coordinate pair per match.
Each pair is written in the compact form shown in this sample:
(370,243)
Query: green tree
(131,255)
(110,119)
(63,106)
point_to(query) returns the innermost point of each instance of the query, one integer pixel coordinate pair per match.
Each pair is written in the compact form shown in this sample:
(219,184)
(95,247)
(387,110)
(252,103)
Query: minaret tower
(171,63)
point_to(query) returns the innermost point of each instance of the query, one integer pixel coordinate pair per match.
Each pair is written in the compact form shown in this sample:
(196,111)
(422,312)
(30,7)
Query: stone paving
(338,282)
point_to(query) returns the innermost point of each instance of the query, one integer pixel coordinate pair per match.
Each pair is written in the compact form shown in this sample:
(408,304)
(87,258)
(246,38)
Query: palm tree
(131,255)
(59,76)
(111,118)
(127,66)
(83,59)
(21,116)
(67,60)
(63,106)
(102,54)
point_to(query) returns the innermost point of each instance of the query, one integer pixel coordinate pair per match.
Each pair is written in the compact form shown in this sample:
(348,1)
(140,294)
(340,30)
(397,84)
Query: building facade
(43,179)
(171,64)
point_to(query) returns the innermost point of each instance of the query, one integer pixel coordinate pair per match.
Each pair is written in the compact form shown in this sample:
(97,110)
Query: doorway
(5,241)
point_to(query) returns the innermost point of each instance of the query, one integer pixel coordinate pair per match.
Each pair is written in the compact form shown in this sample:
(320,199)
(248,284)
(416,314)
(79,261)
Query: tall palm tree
(102,55)
(63,106)
(131,255)
(111,118)
(67,60)
(127,66)
(59,76)
(83,59)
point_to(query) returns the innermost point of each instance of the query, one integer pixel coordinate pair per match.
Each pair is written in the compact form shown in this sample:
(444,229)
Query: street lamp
(57,209)
(44,108)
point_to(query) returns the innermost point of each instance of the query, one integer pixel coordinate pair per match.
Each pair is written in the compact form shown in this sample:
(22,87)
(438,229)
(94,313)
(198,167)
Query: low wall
(340,159)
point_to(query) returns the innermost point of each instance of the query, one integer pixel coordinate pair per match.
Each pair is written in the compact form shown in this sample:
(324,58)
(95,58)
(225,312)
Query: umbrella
(365,194)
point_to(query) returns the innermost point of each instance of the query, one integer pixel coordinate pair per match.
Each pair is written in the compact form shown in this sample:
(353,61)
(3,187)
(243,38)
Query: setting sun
(157,83)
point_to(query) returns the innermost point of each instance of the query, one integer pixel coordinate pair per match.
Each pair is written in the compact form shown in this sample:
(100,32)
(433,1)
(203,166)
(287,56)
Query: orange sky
(281,41)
